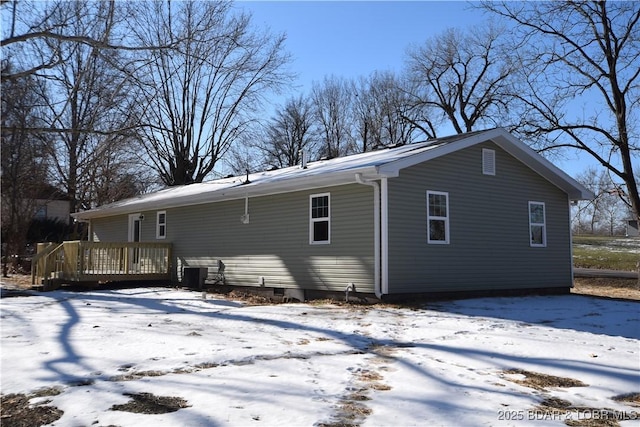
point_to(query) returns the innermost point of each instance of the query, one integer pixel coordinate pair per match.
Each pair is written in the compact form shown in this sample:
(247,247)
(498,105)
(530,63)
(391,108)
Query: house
(631,229)
(473,213)
(52,204)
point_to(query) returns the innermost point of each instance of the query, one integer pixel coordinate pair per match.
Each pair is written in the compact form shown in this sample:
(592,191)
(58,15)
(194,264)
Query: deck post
(81,260)
(126,260)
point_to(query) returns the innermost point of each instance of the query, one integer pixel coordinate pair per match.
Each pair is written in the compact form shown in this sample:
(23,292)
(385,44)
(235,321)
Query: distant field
(614,253)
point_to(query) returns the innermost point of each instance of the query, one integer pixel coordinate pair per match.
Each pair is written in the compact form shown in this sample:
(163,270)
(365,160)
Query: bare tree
(114,175)
(86,99)
(200,96)
(461,79)
(243,158)
(28,24)
(24,169)
(582,55)
(382,110)
(333,107)
(585,212)
(288,134)
(606,213)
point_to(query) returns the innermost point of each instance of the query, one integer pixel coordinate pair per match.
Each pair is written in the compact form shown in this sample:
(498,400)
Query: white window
(161,225)
(41,212)
(537,225)
(488,161)
(437,217)
(319,219)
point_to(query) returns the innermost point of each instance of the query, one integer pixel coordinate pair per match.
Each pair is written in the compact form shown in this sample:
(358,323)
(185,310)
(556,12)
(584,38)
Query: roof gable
(508,143)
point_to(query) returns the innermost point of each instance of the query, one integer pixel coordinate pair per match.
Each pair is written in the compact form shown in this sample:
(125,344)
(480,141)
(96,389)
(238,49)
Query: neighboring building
(52,204)
(632,228)
(478,212)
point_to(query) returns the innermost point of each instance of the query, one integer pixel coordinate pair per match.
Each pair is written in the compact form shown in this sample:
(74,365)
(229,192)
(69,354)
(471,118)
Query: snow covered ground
(465,363)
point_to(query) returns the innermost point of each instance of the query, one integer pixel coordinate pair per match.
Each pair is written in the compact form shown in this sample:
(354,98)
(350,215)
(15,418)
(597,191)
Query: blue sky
(355,38)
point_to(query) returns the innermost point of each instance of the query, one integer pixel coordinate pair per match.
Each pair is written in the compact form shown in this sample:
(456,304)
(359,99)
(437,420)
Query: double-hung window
(537,225)
(437,217)
(161,225)
(319,219)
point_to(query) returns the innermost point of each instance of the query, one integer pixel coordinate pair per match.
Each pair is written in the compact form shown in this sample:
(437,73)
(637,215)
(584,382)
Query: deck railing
(78,261)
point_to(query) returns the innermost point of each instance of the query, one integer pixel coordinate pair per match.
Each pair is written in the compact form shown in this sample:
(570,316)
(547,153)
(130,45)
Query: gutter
(376,230)
(209,192)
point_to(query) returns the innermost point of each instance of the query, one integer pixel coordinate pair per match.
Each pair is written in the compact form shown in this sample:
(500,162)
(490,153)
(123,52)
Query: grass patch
(610,253)
(631,398)
(369,376)
(137,375)
(540,381)
(17,410)
(147,403)
(604,259)
(578,416)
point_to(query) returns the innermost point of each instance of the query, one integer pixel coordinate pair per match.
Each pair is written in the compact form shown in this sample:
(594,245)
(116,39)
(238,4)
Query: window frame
(447,236)
(313,221)
(542,224)
(161,227)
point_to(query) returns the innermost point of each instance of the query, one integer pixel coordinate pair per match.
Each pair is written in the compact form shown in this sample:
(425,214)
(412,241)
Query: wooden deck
(79,261)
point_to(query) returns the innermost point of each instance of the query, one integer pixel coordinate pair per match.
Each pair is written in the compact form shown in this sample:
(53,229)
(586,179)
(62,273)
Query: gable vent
(488,161)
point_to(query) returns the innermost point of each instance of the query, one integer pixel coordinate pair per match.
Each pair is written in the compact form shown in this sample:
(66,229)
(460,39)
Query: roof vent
(303,159)
(247,181)
(396,145)
(488,161)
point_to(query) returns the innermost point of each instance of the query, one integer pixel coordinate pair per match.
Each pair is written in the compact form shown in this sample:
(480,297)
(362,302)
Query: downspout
(384,230)
(245,218)
(573,281)
(376,231)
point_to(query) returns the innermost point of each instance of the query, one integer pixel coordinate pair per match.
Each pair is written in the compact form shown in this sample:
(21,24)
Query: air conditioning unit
(194,277)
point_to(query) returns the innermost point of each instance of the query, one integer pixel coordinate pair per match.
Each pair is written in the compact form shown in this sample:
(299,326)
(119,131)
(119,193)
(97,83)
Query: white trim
(573,284)
(221,191)
(312,220)
(384,250)
(542,224)
(438,218)
(160,225)
(376,231)
(132,219)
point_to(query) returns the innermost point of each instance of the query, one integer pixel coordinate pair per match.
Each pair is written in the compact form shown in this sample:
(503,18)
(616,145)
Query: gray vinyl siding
(275,242)
(489,227)
(112,229)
